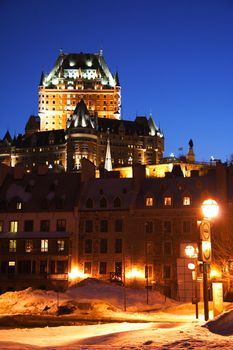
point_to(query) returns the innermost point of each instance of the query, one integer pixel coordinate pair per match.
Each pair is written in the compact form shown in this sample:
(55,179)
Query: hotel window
(60,245)
(88,226)
(89,203)
(44,245)
(12,245)
(102,268)
(149,201)
(44,225)
(1,226)
(61,225)
(186,200)
(87,267)
(13,226)
(167,201)
(28,246)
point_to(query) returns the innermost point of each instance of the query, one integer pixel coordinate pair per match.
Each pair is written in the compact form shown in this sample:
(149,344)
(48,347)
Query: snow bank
(89,298)
(223,324)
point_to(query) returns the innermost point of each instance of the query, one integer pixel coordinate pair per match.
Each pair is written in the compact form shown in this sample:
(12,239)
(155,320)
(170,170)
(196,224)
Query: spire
(41,79)
(117,80)
(108,159)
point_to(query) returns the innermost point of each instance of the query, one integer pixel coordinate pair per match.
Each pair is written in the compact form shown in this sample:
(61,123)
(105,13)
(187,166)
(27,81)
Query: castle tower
(74,77)
(81,135)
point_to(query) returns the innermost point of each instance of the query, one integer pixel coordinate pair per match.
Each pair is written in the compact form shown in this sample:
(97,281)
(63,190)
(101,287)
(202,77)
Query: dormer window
(149,201)
(167,201)
(103,203)
(18,205)
(117,202)
(89,203)
(186,200)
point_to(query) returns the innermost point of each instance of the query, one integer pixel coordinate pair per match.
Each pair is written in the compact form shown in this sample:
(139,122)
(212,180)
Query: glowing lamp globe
(210,208)
(189,251)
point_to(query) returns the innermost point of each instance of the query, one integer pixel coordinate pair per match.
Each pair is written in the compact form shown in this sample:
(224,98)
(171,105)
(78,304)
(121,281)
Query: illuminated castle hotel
(128,222)
(79,114)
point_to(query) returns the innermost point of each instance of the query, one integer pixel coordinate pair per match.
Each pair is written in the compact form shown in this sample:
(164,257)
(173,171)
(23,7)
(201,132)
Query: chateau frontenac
(79,114)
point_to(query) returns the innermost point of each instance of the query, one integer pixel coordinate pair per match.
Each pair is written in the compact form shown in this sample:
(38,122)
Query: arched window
(117,202)
(149,200)
(89,203)
(103,203)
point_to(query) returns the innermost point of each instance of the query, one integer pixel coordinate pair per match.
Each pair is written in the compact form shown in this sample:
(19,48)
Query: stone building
(57,229)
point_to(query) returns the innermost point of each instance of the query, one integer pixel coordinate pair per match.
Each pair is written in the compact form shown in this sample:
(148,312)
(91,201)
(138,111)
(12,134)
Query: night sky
(174,58)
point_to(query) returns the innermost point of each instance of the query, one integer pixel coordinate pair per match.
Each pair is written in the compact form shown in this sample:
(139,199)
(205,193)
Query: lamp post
(210,210)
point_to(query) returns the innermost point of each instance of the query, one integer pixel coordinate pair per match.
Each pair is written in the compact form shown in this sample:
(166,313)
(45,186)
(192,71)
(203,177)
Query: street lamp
(210,210)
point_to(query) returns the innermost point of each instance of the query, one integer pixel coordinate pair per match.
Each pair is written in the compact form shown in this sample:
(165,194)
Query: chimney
(139,174)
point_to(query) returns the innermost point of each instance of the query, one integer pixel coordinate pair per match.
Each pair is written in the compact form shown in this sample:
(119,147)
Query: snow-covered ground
(172,325)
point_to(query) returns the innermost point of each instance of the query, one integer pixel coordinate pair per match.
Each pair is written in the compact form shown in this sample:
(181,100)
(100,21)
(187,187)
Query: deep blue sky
(174,57)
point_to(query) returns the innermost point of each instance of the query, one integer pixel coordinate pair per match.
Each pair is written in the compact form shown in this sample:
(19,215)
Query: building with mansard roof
(79,115)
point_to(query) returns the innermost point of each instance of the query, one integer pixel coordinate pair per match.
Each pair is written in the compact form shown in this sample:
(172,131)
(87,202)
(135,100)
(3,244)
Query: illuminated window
(28,246)
(186,200)
(44,245)
(19,205)
(60,245)
(11,263)
(12,245)
(13,226)
(167,200)
(149,201)
(1,226)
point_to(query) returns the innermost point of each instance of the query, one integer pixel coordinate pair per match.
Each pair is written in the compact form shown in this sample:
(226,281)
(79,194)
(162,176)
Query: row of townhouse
(58,228)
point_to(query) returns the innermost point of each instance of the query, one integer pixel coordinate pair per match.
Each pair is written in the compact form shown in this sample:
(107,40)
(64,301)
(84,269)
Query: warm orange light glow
(191,266)
(75,273)
(215,273)
(210,208)
(135,273)
(191,251)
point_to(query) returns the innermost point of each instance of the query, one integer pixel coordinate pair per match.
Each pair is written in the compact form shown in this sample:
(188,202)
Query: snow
(161,324)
